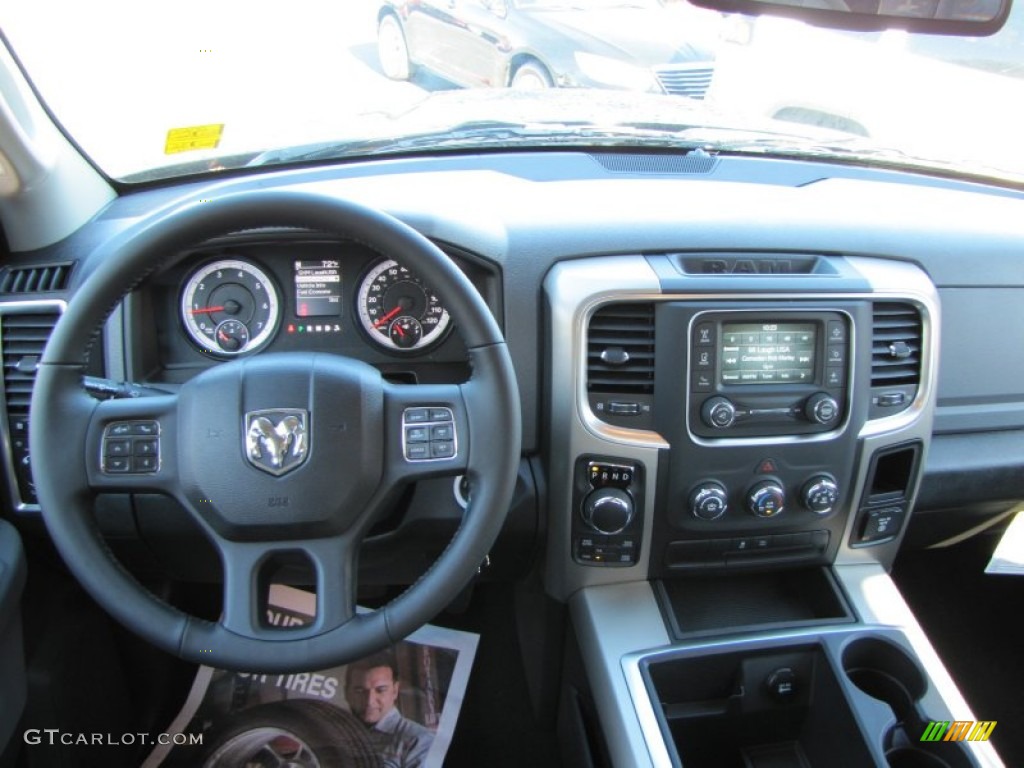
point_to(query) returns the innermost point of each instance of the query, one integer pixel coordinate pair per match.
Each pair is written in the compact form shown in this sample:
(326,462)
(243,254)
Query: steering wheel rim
(69,431)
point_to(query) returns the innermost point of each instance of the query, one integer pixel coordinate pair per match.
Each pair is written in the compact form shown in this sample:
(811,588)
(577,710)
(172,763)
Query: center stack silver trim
(575,289)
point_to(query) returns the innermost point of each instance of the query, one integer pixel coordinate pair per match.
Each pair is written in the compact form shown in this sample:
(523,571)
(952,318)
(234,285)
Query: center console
(734,459)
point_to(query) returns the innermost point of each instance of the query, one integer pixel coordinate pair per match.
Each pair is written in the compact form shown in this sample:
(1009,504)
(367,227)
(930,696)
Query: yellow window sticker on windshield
(193,137)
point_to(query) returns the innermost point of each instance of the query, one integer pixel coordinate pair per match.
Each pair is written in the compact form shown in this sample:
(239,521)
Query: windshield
(150,91)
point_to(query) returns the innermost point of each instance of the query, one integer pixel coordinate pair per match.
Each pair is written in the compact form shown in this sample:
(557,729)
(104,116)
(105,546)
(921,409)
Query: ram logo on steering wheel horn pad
(277,441)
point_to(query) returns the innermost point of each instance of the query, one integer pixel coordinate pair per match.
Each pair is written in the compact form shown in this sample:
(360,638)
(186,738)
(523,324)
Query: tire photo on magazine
(387,710)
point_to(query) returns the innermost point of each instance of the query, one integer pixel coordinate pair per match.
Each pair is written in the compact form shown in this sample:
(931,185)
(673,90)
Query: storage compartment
(773,708)
(728,601)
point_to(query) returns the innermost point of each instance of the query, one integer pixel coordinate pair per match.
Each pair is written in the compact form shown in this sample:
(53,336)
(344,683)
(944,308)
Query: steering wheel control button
(417,434)
(709,501)
(117,464)
(766,499)
(117,447)
(442,432)
(820,495)
(442,449)
(417,452)
(145,447)
(144,464)
(431,437)
(131,447)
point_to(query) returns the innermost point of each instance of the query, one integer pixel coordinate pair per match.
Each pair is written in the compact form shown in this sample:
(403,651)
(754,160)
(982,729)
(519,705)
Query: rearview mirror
(970,18)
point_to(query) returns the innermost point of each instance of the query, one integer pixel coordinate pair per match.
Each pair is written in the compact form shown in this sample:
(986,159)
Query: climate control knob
(820,494)
(709,501)
(718,412)
(766,499)
(821,408)
(608,510)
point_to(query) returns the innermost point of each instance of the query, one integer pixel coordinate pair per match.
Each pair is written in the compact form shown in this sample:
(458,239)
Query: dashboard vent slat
(896,344)
(22,340)
(43,279)
(620,349)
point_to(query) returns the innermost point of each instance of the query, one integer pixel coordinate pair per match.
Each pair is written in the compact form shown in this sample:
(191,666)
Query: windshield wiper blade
(718,139)
(477,134)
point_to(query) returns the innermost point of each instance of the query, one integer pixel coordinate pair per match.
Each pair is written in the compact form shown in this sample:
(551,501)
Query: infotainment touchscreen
(768,353)
(317,288)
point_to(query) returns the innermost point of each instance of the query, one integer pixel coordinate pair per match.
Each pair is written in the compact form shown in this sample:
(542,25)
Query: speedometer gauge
(398,311)
(230,307)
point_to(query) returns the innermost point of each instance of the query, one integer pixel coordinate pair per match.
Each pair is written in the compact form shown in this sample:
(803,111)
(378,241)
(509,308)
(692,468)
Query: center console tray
(728,601)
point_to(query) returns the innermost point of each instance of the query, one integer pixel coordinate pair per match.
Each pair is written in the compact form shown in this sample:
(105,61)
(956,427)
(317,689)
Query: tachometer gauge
(398,311)
(230,307)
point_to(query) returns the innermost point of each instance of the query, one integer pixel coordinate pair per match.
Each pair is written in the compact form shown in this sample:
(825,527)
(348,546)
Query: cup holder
(886,672)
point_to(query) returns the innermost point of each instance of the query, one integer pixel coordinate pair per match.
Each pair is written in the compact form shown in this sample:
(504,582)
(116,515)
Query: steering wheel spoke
(427,432)
(250,569)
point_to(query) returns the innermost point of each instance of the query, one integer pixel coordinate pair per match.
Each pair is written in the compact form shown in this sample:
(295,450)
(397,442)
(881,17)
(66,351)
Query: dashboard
(762,290)
(752,368)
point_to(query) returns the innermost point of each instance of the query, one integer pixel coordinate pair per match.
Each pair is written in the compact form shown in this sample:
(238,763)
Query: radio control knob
(766,499)
(709,501)
(608,510)
(718,412)
(821,408)
(820,494)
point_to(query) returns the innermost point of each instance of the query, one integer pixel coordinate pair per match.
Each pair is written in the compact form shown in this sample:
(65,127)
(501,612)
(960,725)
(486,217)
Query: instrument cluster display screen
(768,353)
(318,288)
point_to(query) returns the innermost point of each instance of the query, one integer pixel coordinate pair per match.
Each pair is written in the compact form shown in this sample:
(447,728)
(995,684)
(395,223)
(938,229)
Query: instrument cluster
(239,300)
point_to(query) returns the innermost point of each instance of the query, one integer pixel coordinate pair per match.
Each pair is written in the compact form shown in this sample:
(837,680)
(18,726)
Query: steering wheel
(307,481)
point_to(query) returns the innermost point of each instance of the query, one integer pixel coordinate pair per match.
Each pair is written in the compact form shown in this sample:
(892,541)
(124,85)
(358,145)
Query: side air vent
(620,363)
(895,356)
(53,277)
(22,340)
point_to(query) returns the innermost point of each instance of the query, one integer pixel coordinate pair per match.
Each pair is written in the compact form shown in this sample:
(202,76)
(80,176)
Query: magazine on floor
(393,709)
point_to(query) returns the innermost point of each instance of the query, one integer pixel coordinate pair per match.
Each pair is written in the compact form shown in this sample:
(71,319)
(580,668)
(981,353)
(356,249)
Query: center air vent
(620,363)
(895,356)
(22,340)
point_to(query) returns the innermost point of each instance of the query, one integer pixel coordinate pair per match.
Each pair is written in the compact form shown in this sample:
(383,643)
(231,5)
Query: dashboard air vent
(22,339)
(896,345)
(620,350)
(53,277)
